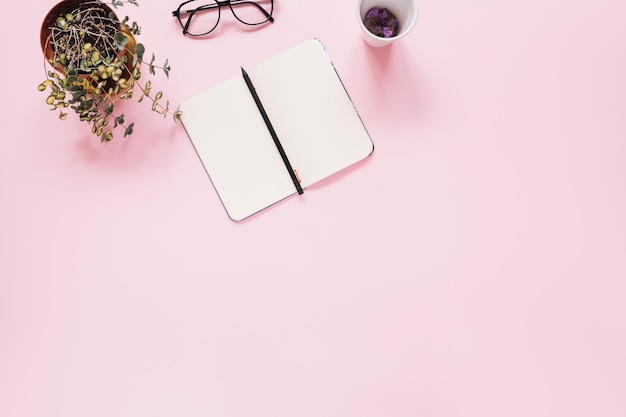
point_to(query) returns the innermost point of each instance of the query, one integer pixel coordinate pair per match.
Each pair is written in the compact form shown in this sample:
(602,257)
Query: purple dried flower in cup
(372,13)
(381,22)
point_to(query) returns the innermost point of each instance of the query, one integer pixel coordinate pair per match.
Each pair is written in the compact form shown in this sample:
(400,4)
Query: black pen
(266,119)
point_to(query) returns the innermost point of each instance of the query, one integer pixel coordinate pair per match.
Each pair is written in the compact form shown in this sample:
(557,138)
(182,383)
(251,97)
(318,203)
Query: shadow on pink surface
(387,85)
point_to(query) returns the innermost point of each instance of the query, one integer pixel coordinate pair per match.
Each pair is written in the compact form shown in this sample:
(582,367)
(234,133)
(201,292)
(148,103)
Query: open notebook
(310,111)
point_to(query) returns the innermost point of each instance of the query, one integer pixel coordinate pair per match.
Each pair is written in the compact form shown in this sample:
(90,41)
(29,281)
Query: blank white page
(311,112)
(236,149)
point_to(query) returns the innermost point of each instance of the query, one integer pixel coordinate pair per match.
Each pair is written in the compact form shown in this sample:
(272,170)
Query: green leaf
(62,23)
(166,68)
(128,94)
(151,65)
(106,136)
(129,130)
(139,51)
(43,85)
(120,40)
(77,95)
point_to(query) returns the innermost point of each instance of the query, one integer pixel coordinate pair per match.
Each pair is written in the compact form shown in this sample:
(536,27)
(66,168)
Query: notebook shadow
(341,175)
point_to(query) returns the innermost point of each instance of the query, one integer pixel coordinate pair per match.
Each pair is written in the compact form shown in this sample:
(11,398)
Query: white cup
(404,10)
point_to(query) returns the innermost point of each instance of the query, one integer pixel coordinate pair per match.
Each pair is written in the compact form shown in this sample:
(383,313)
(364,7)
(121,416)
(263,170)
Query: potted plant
(93,62)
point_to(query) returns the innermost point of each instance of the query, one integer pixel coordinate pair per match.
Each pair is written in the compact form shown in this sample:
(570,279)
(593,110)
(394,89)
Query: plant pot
(67,6)
(94,62)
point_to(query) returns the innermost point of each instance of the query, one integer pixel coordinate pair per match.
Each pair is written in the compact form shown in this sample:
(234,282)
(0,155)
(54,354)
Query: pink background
(474,266)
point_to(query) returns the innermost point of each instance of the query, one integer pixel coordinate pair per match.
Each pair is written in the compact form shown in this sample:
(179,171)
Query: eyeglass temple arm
(178,13)
(258,6)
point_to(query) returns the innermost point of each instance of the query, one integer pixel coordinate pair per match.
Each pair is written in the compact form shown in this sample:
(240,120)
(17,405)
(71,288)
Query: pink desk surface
(474,266)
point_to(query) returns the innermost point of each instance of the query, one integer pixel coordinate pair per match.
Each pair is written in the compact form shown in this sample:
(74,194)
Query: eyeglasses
(198,18)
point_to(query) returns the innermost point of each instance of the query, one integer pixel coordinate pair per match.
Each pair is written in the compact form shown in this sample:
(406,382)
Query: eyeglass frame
(219,4)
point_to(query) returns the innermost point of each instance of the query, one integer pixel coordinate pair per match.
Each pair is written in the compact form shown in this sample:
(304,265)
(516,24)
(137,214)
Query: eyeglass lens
(200,17)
